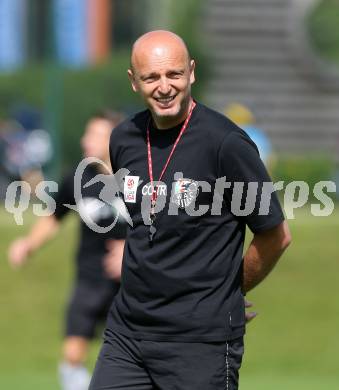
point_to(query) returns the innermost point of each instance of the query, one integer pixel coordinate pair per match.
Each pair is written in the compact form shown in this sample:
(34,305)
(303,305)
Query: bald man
(178,320)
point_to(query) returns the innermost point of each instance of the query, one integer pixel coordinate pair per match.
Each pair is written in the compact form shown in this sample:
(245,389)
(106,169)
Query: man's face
(163,77)
(95,140)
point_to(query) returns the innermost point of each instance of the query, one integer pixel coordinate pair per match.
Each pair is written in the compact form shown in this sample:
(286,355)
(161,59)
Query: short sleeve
(240,162)
(111,156)
(65,195)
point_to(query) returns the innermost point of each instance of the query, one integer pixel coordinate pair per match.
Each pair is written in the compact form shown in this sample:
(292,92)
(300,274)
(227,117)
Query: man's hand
(112,262)
(18,252)
(41,232)
(249,315)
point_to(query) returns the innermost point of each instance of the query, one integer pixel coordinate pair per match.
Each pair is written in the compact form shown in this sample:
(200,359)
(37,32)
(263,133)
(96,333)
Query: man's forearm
(263,254)
(42,231)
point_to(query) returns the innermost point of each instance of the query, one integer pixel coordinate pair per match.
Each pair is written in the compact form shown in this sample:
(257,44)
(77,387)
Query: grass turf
(291,345)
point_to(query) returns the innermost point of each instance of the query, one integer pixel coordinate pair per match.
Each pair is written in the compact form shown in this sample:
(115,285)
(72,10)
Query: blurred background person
(26,148)
(97,253)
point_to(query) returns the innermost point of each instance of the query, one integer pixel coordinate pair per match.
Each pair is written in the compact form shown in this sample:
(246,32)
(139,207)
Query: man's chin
(170,112)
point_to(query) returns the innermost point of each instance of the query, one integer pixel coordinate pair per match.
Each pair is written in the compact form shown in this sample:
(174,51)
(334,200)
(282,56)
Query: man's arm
(113,260)
(263,253)
(41,232)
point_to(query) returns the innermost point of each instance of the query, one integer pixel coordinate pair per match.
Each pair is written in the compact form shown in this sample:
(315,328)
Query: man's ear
(192,68)
(132,80)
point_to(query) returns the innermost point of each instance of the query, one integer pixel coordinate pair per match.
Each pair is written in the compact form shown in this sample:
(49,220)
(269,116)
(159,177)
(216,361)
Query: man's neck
(103,166)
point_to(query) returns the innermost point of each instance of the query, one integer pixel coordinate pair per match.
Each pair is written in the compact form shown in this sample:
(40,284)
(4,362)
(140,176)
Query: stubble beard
(177,117)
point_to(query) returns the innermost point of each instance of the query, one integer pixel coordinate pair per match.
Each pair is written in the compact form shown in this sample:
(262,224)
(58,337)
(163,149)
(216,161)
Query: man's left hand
(249,315)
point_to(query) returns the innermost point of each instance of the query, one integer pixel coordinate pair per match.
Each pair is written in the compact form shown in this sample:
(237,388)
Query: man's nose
(164,86)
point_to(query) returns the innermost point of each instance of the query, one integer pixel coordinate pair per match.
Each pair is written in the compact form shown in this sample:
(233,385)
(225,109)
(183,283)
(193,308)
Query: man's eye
(174,75)
(149,79)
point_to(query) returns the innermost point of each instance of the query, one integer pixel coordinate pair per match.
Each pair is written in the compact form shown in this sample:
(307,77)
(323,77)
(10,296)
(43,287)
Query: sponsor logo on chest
(130,188)
(184,191)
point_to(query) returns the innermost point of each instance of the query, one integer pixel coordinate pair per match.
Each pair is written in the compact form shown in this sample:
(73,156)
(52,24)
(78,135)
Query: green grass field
(293,344)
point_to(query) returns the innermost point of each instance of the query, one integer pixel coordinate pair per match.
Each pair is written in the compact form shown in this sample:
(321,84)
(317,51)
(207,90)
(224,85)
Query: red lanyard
(149,154)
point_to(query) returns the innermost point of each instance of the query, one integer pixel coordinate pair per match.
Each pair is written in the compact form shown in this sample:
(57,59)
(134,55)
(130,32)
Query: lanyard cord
(149,155)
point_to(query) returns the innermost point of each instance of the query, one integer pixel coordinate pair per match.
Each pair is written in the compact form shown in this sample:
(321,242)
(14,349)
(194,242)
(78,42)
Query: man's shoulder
(132,123)
(218,124)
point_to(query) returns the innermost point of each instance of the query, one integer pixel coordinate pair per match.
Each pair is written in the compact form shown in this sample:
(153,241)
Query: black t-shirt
(186,284)
(92,244)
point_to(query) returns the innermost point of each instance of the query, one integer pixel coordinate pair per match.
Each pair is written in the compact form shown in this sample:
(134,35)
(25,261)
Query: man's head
(162,72)
(95,141)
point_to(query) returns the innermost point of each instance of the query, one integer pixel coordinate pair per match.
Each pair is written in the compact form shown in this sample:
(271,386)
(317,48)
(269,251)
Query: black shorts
(125,363)
(88,307)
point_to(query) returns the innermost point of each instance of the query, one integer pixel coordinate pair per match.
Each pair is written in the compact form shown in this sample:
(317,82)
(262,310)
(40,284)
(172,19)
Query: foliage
(186,22)
(323,25)
(310,169)
(70,95)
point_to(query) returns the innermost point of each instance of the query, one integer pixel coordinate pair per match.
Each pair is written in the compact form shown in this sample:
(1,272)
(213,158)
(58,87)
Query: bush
(68,97)
(323,25)
(310,169)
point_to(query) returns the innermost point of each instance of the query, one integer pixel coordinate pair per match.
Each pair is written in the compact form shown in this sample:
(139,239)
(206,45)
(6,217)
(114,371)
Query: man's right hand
(18,252)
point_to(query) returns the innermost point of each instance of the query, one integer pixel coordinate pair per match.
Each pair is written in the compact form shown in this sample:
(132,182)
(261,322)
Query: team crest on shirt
(185,192)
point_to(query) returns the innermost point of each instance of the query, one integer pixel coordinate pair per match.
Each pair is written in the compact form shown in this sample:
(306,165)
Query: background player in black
(178,320)
(93,289)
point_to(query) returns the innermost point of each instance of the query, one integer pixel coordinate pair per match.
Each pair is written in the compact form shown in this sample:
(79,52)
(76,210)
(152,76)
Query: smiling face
(162,73)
